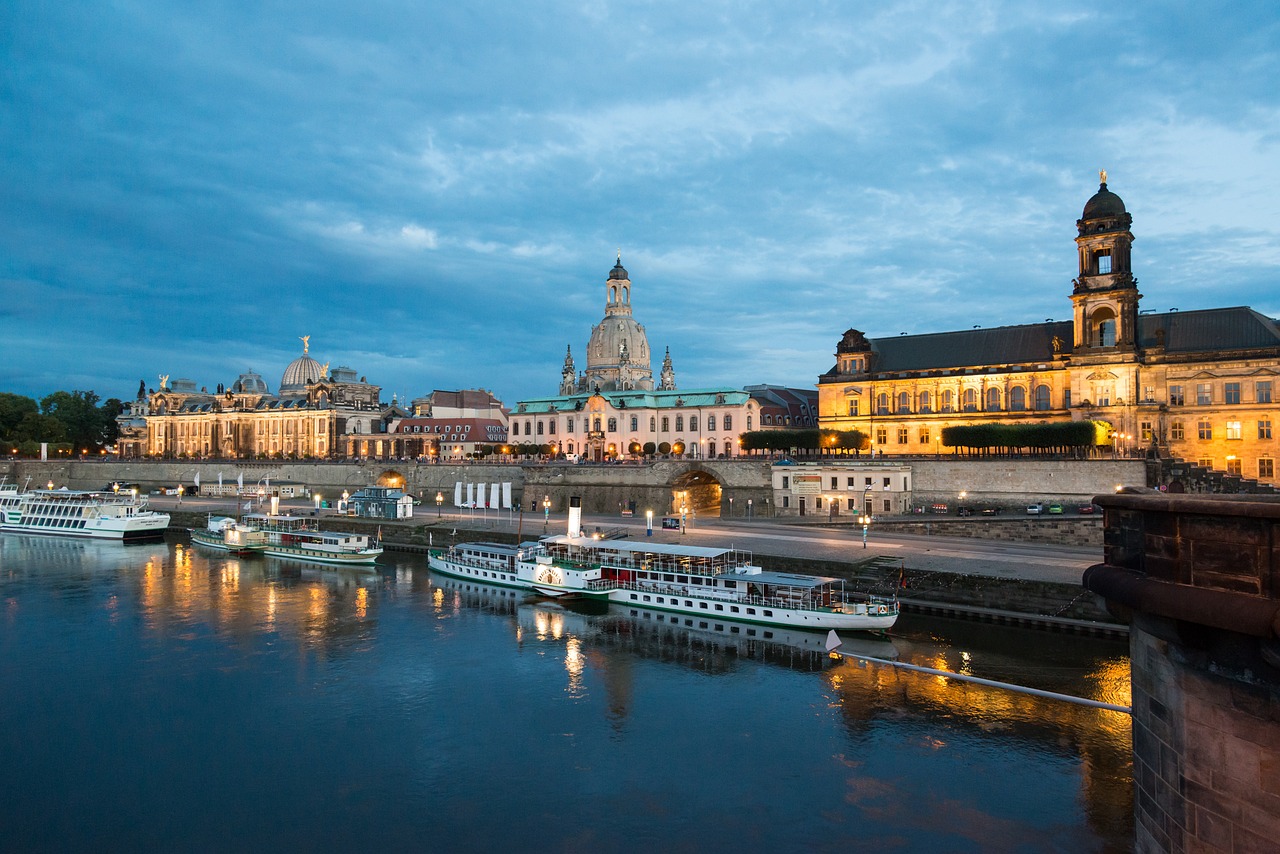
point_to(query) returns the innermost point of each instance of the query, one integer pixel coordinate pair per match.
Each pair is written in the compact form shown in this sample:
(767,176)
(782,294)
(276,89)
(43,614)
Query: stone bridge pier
(1199,580)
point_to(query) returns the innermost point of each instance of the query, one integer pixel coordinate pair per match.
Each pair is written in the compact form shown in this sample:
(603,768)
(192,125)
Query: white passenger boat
(228,535)
(297,537)
(76,513)
(680,579)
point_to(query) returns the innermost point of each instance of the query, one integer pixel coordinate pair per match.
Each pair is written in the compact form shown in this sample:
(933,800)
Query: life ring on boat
(880,609)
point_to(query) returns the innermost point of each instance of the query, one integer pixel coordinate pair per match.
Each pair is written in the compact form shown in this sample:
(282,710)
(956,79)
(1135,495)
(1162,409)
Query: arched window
(969,402)
(1042,397)
(947,404)
(925,402)
(613,425)
(993,399)
(711,423)
(693,423)
(635,423)
(904,402)
(882,404)
(1017,399)
(1102,327)
(595,422)
(653,424)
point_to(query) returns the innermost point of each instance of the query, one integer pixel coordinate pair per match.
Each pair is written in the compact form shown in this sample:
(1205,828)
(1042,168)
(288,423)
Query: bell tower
(1105,296)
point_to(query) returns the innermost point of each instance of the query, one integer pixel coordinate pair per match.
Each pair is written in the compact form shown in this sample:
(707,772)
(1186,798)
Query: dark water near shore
(153,697)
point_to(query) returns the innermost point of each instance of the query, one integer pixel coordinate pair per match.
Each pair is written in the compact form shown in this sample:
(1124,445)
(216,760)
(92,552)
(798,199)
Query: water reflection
(388,679)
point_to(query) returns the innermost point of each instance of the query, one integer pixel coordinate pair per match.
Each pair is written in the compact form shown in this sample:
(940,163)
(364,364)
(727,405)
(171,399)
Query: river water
(155,697)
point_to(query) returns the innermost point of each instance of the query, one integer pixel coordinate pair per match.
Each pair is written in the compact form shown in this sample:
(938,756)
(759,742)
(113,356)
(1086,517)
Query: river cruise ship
(228,535)
(76,513)
(298,537)
(680,579)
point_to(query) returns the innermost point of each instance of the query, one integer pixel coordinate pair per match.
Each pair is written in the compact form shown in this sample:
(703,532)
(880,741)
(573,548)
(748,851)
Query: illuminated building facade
(1196,385)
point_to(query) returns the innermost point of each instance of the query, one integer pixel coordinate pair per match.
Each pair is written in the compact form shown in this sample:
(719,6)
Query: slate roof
(1202,331)
(636,400)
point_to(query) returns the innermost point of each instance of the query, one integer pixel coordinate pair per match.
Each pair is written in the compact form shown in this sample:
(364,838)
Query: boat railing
(792,603)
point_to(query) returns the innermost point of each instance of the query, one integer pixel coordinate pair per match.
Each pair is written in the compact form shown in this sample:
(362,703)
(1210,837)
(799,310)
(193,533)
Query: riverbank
(1048,605)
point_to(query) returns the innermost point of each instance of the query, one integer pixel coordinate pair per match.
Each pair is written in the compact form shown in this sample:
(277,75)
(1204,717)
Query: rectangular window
(924,435)
(1233,430)
(666,424)
(693,423)
(1205,463)
(1233,467)
(1145,430)
(551,427)
(835,483)
(1266,468)
(1262,391)
(1231,393)
(679,423)
(886,483)
(1204,394)
(882,436)
(1205,429)
(853,407)
(1066,398)
(1175,431)
(1176,397)
(887,505)
(728,422)
(786,501)
(849,484)
(902,435)
(1104,262)
(786,481)
(1264,428)
(851,504)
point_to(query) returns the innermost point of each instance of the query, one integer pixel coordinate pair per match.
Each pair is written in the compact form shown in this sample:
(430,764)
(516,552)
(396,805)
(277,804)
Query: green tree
(79,414)
(35,427)
(111,408)
(13,408)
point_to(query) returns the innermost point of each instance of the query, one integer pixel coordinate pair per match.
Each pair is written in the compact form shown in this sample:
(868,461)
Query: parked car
(1086,508)
(1034,509)
(990,511)
(1055,509)
(964,511)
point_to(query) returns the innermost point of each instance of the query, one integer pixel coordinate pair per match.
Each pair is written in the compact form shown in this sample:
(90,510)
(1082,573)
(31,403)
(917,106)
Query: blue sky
(434,192)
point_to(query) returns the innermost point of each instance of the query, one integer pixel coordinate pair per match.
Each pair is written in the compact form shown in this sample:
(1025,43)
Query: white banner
(506,495)
(471,495)
(457,494)
(493,495)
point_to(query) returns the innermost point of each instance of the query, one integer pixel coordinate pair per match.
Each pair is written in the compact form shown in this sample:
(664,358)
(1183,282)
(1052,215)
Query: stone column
(1199,580)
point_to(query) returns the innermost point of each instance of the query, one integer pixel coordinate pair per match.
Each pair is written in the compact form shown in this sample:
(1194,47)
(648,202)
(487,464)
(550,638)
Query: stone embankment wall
(1057,530)
(1001,482)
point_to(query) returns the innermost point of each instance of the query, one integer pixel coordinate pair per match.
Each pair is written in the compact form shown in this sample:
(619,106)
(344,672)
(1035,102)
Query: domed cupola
(250,383)
(301,372)
(1105,293)
(618,271)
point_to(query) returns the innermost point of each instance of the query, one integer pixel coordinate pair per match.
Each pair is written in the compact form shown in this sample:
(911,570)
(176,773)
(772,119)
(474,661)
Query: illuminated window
(1233,429)
(1204,394)
(1234,467)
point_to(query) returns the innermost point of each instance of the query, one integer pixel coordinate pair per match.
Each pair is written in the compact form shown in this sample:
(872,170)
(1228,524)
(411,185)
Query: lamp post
(963,496)
(648,523)
(179,493)
(865,521)
(317,498)
(730,506)
(439,503)
(546,512)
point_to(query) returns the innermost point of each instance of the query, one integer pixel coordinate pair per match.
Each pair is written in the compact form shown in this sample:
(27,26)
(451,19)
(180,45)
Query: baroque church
(1193,385)
(612,409)
(315,413)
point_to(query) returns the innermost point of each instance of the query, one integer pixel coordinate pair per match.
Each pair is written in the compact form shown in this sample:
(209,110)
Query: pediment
(1102,375)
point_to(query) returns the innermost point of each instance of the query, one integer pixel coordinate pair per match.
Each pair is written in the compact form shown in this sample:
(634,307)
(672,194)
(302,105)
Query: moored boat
(227,534)
(297,537)
(79,513)
(691,580)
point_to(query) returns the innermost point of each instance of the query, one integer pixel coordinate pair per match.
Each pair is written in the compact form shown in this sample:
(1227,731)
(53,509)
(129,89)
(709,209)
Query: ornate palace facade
(315,414)
(1198,385)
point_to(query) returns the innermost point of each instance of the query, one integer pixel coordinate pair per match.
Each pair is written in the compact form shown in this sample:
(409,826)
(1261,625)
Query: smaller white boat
(297,537)
(78,513)
(227,534)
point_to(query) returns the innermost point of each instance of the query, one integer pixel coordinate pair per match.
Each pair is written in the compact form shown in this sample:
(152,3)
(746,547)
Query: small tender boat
(227,534)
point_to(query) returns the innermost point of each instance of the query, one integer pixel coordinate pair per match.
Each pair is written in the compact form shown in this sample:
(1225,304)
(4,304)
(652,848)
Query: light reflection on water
(158,696)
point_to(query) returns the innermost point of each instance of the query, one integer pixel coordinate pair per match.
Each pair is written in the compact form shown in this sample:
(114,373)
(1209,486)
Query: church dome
(618,271)
(250,383)
(1104,204)
(301,372)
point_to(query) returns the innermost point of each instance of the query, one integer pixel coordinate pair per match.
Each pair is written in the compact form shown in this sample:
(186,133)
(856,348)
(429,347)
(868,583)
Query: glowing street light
(439,503)
(648,523)
(865,522)
(546,512)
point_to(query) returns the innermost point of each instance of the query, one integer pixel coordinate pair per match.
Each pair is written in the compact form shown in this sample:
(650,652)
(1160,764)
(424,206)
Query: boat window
(688,604)
(734,630)
(684,579)
(660,599)
(768,634)
(751,610)
(768,614)
(731,584)
(734,609)
(702,624)
(719,607)
(702,605)
(633,596)
(646,599)
(668,577)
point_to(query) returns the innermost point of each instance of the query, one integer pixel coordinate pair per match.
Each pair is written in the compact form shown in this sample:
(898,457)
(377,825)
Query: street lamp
(179,493)
(648,523)
(316,497)
(546,512)
(865,521)
(439,503)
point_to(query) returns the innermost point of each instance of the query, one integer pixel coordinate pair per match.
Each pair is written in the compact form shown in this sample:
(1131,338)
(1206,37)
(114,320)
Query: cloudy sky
(435,192)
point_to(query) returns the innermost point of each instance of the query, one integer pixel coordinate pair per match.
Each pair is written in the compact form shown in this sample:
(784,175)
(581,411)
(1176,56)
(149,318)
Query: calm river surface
(154,697)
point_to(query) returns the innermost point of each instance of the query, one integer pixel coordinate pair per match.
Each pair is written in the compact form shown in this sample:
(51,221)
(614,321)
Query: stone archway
(697,489)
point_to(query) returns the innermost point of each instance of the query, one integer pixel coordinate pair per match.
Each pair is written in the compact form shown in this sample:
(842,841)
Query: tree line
(71,422)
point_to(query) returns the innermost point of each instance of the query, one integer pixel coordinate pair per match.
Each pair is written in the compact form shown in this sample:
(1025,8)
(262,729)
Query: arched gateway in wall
(698,490)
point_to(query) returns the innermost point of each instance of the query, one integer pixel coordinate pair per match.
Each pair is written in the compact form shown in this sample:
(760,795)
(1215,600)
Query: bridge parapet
(1199,579)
